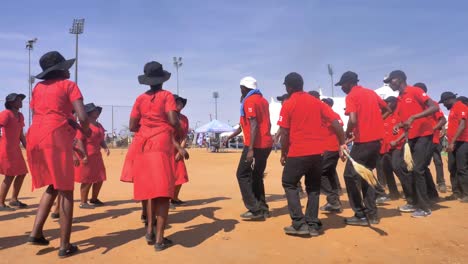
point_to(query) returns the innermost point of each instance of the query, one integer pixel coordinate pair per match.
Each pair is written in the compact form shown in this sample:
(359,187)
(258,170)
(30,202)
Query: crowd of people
(61,151)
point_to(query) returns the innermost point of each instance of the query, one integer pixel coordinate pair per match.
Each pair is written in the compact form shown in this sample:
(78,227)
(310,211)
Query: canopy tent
(215,126)
(227,134)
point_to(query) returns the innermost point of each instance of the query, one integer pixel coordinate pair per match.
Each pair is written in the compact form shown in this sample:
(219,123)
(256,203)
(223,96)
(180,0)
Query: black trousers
(366,154)
(421,150)
(295,168)
(329,179)
(380,170)
(437,159)
(387,170)
(251,179)
(405,177)
(458,168)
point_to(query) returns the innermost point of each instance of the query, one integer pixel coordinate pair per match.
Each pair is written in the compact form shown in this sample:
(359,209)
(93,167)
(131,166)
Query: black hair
(58,74)
(8,106)
(156,87)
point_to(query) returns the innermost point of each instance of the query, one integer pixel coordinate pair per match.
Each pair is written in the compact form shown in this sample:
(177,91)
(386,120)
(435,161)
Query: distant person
(12,163)
(181,137)
(50,142)
(366,111)
(255,123)
(415,109)
(457,134)
(302,147)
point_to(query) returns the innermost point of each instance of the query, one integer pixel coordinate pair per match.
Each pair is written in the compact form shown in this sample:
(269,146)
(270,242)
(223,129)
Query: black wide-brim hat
(154,74)
(183,100)
(91,107)
(53,61)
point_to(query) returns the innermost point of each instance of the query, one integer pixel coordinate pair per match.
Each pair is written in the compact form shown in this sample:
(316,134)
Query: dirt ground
(209,229)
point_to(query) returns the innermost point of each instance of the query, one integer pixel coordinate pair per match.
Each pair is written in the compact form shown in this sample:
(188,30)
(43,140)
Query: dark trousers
(329,179)
(387,170)
(251,179)
(458,167)
(366,154)
(380,171)
(405,177)
(295,168)
(437,159)
(421,150)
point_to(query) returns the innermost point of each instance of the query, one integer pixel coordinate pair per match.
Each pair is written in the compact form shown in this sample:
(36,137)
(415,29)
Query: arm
(82,115)
(104,146)
(80,148)
(386,111)
(430,110)
(284,140)
(460,129)
(253,133)
(340,135)
(396,141)
(174,121)
(351,124)
(181,152)
(440,124)
(134,124)
(233,135)
(23,139)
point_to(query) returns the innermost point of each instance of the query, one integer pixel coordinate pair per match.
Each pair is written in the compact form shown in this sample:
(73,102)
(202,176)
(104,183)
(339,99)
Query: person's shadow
(111,240)
(111,213)
(204,201)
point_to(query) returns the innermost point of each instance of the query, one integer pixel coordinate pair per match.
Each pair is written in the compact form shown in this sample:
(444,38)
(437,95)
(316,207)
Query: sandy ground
(209,230)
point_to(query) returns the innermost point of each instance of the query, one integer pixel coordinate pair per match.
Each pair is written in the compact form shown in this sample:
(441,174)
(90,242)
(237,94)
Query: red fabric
(304,115)
(437,116)
(50,138)
(151,159)
(180,169)
(367,106)
(331,142)
(413,101)
(389,123)
(255,106)
(11,159)
(94,171)
(458,112)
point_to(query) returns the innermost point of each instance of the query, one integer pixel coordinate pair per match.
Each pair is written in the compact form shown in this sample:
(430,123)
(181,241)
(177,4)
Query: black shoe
(39,241)
(452,197)
(96,202)
(464,199)
(357,221)
(63,253)
(55,215)
(442,188)
(266,214)
(18,204)
(382,200)
(374,220)
(253,216)
(177,202)
(150,238)
(302,230)
(166,243)
(331,208)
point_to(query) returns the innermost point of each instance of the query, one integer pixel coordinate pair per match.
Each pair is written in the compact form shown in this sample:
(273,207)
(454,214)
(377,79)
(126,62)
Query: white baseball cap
(249,82)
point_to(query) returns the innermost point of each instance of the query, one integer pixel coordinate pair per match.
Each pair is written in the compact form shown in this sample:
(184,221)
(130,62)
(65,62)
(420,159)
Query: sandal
(40,241)
(177,202)
(166,243)
(63,253)
(96,202)
(86,206)
(6,208)
(150,238)
(18,204)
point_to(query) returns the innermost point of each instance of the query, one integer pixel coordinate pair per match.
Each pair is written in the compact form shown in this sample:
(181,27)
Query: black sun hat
(154,74)
(183,100)
(53,61)
(91,107)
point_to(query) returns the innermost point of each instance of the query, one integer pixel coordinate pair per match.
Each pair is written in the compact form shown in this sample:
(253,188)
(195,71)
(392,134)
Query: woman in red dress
(12,163)
(91,170)
(154,118)
(181,138)
(50,144)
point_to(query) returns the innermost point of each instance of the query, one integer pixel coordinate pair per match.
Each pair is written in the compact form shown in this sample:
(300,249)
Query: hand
(178,156)
(283,160)
(107,151)
(396,129)
(349,134)
(183,153)
(250,156)
(76,162)
(450,147)
(226,143)
(407,123)
(84,160)
(342,150)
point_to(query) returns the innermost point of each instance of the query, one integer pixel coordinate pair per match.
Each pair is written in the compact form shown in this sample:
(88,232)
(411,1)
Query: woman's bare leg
(162,211)
(6,184)
(66,216)
(17,187)
(45,204)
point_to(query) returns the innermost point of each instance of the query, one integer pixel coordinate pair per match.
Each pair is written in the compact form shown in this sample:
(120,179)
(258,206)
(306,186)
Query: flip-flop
(40,241)
(63,253)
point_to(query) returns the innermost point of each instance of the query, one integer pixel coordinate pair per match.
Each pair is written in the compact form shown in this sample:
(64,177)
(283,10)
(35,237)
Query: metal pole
(76,60)
(216,108)
(112,134)
(30,86)
(332,87)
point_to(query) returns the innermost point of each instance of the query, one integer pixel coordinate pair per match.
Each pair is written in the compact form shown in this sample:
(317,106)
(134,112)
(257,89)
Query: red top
(331,142)
(184,123)
(367,106)
(413,101)
(304,115)
(92,143)
(437,116)
(458,112)
(49,112)
(152,109)
(11,127)
(255,106)
(389,123)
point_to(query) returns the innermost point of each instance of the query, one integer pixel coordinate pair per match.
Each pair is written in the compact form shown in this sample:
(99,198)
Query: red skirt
(50,156)
(153,166)
(93,172)
(11,160)
(181,174)
(126,175)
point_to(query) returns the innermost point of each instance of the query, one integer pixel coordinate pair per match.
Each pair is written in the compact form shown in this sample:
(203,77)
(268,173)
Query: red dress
(152,153)
(180,169)
(94,171)
(50,137)
(11,159)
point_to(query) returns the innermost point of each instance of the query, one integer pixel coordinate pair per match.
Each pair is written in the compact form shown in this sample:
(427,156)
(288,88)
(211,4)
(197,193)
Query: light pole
(330,72)
(77,29)
(216,96)
(177,65)
(29,47)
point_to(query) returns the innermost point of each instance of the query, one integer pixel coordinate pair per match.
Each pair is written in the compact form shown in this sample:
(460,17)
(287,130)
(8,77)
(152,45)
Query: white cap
(249,82)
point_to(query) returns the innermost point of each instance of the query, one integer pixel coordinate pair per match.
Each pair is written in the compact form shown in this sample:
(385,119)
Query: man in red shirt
(364,108)
(415,109)
(330,184)
(439,123)
(255,123)
(302,147)
(457,134)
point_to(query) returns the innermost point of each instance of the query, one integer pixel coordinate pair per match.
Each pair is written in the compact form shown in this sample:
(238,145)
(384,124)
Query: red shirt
(331,142)
(255,106)
(92,143)
(458,112)
(367,106)
(413,101)
(184,124)
(437,116)
(304,115)
(389,123)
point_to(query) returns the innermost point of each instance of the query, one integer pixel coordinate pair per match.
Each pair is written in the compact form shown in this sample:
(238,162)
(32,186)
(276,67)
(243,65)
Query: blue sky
(223,41)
